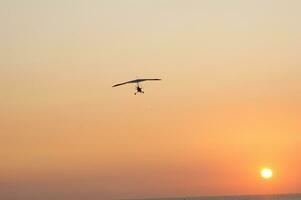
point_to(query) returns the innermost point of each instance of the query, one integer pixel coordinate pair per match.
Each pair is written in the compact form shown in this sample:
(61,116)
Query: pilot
(139,89)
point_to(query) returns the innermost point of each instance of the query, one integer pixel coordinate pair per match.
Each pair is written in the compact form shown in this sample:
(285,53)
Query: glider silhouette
(137,81)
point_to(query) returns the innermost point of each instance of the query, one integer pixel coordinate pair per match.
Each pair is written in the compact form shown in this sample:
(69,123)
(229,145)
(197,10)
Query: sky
(228,105)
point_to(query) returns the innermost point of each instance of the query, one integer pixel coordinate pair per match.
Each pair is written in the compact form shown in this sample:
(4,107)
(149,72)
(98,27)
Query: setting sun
(266,173)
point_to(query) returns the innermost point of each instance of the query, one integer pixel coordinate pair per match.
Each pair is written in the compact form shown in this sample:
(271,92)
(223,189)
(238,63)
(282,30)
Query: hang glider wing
(137,81)
(122,83)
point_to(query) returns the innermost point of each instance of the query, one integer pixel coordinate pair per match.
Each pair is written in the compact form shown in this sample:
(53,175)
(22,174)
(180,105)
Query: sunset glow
(228,105)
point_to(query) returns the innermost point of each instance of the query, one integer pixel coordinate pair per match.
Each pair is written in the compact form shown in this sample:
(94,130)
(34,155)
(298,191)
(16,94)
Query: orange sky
(229,103)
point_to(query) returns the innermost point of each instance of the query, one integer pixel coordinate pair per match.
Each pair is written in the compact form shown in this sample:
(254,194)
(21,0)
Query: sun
(266,173)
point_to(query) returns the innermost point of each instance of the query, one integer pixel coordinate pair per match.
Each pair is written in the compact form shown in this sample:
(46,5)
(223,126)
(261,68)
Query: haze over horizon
(228,105)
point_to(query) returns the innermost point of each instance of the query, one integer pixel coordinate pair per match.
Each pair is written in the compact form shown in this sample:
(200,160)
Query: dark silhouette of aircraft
(137,81)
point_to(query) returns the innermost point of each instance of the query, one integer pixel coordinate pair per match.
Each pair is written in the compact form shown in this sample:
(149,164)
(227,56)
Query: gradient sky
(229,103)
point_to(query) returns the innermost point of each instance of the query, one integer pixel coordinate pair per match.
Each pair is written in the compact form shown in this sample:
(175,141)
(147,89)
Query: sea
(242,197)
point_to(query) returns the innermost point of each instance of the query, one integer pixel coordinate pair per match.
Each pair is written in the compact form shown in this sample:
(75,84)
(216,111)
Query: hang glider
(137,81)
